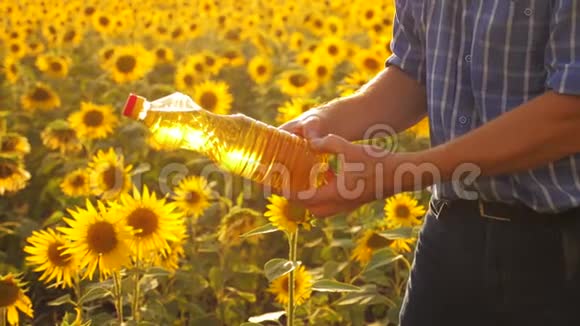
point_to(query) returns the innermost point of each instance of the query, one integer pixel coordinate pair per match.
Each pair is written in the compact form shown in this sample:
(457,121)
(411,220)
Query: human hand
(365,174)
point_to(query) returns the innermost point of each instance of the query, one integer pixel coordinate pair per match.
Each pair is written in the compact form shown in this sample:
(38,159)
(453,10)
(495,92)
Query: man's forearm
(391,98)
(538,132)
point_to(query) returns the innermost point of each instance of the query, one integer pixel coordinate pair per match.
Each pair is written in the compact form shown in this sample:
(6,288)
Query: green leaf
(250,297)
(399,233)
(278,267)
(246,269)
(216,278)
(271,316)
(250,324)
(334,286)
(95,293)
(382,257)
(55,217)
(61,300)
(268,228)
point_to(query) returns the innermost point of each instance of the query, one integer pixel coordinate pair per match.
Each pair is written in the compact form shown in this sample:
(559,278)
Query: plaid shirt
(480,59)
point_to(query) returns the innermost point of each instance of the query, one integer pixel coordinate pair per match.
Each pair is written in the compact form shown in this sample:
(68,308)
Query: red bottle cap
(130,105)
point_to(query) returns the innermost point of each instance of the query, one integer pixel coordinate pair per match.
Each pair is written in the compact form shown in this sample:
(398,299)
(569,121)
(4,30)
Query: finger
(290,126)
(310,127)
(329,144)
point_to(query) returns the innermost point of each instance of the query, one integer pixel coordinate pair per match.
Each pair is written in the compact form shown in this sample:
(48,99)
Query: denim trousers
(470,271)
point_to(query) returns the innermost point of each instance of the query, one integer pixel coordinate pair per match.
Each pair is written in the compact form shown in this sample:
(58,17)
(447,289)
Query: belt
(504,212)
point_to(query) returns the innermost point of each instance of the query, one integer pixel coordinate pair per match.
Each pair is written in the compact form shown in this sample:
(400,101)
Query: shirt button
(463,120)
(468,58)
(528,12)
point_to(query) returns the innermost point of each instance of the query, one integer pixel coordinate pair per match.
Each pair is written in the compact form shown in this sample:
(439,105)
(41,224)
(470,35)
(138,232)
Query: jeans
(470,271)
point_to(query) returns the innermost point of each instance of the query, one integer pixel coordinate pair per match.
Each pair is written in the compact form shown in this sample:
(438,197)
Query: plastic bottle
(237,143)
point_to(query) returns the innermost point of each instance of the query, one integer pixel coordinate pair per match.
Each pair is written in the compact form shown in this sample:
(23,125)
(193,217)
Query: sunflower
(105,55)
(13,176)
(293,108)
(368,14)
(287,216)
(163,55)
(13,298)
(334,25)
(260,69)
(237,222)
(93,121)
(11,69)
(168,258)
(233,57)
(35,48)
(76,183)
(153,221)
(45,251)
(130,63)
(213,63)
(213,96)
(108,175)
(42,97)
(98,238)
(186,76)
(14,144)
(54,66)
(368,61)
(321,68)
(58,135)
(367,244)
(16,48)
(421,129)
(193,195)
(333,48)
(403,210)
(296,41)
(354,82)
(297,83)
(103,23)
(302,287)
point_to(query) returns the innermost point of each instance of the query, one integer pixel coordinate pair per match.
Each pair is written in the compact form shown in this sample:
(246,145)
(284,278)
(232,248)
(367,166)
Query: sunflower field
(101,226)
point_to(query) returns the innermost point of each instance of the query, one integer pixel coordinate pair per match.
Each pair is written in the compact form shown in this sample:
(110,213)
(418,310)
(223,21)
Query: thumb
(310,127)
(329,144)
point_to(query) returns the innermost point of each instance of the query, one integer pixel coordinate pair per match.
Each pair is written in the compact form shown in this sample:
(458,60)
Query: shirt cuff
(408,67)
(565,80)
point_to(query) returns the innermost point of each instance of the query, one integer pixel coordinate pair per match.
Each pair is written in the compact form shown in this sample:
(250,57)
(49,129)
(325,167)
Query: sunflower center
(298,80)
(145,220)
(333,28)
(89,11)
(193,27)
(176,33)
(402,211)
(64,136)
(377,242)
(108,54)
(321,71)
(56,254)
(110,177)
(15,48)
(188,80)
(104,21)
(210,61)
(40,94)
(55,66)
(126,63)
(93,118)
(78,181)
(369,14)
(208,100)
(261,70)
(101,237)
(295,212)
(8,293)
(69,36)
(198,67)
(231,54)
(6,171)
(193,197)
(161,53)
(371,63)
(14,69)
(8,144)
(333,50)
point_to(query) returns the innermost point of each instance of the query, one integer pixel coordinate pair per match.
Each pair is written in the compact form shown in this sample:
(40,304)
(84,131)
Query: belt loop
(437,206)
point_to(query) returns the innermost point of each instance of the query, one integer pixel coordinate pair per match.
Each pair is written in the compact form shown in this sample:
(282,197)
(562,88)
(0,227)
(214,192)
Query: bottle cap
(130,105)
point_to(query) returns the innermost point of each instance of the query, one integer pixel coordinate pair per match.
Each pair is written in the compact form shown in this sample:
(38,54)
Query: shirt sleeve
(407,46)
(562,57)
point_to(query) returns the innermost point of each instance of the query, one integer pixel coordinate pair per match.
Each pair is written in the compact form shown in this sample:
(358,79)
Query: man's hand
(365,174)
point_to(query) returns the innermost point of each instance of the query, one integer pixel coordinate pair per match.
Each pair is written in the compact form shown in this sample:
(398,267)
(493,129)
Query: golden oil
(237,143)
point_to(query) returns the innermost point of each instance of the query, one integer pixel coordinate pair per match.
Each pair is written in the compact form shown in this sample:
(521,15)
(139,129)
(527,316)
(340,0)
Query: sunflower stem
(3,316)
(118,296)
(293,246)
(78,296)
(136,291)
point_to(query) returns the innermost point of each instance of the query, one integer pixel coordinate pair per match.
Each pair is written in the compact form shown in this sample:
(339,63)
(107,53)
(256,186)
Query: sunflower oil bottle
(237,143)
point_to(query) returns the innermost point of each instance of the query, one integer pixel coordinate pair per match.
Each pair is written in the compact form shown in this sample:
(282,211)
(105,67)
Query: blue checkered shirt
(480,59)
